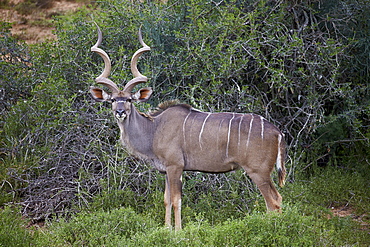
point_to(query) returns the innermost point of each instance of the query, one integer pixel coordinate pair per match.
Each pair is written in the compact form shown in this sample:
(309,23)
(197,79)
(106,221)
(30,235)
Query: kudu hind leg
(272,197)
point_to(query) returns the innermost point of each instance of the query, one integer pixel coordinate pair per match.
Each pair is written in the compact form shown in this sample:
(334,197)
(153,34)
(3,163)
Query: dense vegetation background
(303,65)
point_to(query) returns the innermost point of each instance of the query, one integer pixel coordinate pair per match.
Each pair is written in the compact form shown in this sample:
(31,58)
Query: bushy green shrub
(16,68)
(271,58)
(15,84)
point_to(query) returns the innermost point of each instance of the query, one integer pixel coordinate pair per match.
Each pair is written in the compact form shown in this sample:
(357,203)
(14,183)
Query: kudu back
(180,138)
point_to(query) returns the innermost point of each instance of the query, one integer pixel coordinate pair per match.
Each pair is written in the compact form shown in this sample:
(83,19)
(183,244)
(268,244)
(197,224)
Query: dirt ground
(349,212)
(36,26)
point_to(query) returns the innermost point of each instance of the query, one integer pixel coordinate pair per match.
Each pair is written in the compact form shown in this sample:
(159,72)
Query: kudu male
(180,138)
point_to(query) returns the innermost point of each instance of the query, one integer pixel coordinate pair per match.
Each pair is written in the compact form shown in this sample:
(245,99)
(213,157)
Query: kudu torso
(200,141)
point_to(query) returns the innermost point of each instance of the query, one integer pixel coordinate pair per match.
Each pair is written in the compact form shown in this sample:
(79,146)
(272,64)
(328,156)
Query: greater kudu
(180,138)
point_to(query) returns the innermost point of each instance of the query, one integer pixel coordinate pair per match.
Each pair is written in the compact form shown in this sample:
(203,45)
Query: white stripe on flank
(250,130)
(278,160)
(183,127)
(228,136)
(201,130)
(240,124)
(262,130)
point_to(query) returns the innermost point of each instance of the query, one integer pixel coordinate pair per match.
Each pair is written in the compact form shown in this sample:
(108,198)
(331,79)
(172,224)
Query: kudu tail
(280,161)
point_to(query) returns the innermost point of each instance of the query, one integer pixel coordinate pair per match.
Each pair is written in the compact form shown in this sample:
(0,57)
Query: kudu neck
(137,132)
(138,118)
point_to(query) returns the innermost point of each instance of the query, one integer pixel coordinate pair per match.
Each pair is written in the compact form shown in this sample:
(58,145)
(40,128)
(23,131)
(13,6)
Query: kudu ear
(99,94)
(143,94)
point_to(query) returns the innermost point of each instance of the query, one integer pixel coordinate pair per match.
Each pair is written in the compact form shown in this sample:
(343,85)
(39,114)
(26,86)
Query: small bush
(4,4)
(27,7)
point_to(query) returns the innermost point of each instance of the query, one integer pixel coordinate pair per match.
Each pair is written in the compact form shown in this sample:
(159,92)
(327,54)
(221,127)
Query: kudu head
(121,99)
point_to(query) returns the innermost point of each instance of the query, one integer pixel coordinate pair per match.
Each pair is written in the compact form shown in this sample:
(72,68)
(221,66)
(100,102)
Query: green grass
(13,231)
(332,187)
(124,227)
(305,221)
(288,229)
(101,228)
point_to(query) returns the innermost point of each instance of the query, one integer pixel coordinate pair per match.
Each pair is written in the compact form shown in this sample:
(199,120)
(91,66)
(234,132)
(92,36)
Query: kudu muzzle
(120,111)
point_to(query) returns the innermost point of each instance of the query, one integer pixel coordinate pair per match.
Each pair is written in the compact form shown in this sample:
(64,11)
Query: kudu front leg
(172,196)
(167,204)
